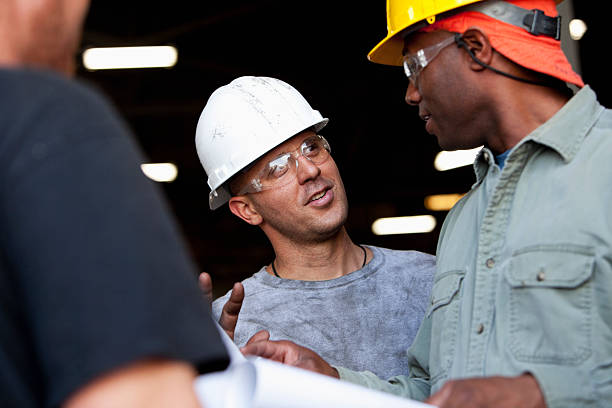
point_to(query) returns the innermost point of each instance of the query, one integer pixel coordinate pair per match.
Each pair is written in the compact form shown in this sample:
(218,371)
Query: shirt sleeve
(102,271)
(415,385)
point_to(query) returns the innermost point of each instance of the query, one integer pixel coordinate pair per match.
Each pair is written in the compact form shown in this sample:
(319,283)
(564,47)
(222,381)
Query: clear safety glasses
(283,169)
(415,63)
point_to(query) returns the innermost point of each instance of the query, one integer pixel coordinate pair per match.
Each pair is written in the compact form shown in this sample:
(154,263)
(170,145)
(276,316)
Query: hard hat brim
(218,197)
(220,193)
(388,51)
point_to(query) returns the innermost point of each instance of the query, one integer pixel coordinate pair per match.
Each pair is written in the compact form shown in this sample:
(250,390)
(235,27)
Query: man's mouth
(318,196)
(319,193)
(427,118)
(321,198)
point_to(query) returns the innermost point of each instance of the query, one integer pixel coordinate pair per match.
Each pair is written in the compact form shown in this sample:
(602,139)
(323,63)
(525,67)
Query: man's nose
(306,169)
(413,96)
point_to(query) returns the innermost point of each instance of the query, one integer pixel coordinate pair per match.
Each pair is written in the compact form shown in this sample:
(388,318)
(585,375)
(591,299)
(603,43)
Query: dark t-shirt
(93,271)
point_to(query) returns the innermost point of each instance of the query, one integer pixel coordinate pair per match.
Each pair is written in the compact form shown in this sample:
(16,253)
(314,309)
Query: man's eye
(311,149)
(278,171)
(277,167)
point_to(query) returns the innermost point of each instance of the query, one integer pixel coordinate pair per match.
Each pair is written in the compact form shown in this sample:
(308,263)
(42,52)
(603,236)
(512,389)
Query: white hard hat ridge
(244,120)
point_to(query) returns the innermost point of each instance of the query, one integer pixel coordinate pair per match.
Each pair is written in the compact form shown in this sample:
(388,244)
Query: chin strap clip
(538,23)
(533,21)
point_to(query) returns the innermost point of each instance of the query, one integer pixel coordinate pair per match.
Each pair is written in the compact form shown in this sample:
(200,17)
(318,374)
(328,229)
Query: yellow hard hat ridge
(405,16)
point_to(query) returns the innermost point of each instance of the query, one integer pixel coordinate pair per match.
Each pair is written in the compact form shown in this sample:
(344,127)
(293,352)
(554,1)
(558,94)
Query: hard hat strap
(461,43)
(533,21)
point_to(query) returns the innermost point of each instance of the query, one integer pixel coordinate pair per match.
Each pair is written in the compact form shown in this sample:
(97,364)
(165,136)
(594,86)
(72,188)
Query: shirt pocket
(444,312)
(550,302)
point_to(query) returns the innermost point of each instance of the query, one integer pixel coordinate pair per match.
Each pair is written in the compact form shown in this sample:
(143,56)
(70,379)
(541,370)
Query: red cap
(538,53)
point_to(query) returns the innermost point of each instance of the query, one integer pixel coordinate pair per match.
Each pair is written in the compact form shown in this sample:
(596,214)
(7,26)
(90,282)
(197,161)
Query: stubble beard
(310,230)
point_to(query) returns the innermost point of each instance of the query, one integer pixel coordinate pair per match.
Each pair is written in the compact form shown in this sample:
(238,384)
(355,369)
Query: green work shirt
(524,269)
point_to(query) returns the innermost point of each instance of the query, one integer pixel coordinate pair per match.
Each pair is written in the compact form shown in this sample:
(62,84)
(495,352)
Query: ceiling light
(577,28)
(458,158)
(417,224)
(441,202)
(160,172)
(130,57)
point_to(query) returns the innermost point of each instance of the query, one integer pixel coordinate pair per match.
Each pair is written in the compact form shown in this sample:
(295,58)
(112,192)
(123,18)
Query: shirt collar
(563,133)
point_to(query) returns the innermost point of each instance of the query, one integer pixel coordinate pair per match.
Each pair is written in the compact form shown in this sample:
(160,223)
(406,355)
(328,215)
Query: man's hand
(231,309)
(499,392)
(287,352)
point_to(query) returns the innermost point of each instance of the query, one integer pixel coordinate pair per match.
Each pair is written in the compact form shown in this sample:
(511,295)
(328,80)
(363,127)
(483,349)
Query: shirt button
(490,263)
(541,276)
(485,156)
(480,328)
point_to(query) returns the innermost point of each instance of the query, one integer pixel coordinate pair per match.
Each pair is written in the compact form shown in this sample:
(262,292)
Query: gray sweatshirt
(363,321)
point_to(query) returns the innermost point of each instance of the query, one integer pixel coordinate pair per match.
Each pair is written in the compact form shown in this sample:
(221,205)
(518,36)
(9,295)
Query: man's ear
(477,42)
(243,208)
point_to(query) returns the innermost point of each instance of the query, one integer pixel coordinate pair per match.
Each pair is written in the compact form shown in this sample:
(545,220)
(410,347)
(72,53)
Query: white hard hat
(244,120)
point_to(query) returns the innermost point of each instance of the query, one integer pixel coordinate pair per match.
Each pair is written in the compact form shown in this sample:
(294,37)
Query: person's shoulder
(410,256)
(26,79)
(252,286)
(42,108)
(41,96)
(42,85)
(412,265)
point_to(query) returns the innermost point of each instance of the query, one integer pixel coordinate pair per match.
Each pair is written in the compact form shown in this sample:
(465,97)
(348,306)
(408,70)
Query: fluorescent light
(441,202)
(161,172)
(130,57)
(458,158)
(577,28)
(404,225)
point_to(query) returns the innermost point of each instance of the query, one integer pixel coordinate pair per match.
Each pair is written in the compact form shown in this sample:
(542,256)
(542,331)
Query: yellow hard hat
(402,14)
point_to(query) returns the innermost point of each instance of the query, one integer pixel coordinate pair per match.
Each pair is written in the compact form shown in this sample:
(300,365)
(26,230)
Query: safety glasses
(415,63)
(282,170)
